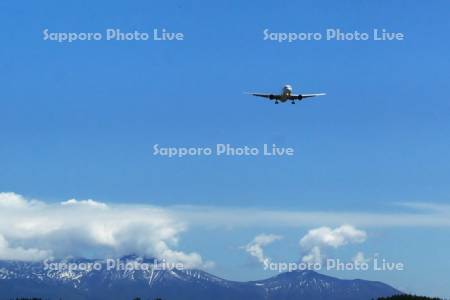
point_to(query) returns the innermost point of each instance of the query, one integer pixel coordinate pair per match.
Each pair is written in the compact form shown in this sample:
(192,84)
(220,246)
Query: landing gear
(293,102)
(276,102)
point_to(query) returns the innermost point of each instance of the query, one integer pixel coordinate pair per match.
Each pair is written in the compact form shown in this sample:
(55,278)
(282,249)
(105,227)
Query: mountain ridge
(32,279)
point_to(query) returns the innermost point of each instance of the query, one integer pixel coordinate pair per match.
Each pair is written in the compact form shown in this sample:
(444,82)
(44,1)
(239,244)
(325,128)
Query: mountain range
(33,279)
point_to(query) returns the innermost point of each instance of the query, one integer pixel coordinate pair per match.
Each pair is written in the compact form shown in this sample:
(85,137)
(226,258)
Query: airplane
(286,94)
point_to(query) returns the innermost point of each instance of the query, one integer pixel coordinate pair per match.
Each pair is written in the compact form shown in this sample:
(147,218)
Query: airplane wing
(303,96)
(269,96)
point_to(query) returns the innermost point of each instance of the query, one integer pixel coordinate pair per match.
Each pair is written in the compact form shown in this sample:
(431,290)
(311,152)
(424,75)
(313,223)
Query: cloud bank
(33,230)
(410,215)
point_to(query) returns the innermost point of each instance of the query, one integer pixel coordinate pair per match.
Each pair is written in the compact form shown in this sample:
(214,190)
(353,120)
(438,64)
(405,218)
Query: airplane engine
(299,97)
(271,97)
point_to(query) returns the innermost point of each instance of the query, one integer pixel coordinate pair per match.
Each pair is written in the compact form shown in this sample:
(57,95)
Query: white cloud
(256,247)
(325,237)
(314,256)
(88,227)
(87,203)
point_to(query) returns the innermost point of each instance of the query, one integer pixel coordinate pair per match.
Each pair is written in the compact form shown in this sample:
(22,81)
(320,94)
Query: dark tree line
(397,297)
(408,297)
(34,298)
(61,299)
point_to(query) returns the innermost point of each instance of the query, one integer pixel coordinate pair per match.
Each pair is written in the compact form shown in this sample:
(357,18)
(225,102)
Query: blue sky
(79,120)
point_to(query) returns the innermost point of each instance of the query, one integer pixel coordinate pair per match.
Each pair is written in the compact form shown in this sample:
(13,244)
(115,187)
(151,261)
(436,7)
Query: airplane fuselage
(286,92)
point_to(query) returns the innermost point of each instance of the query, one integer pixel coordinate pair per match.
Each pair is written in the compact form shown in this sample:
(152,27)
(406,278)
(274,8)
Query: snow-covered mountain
(96,281)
